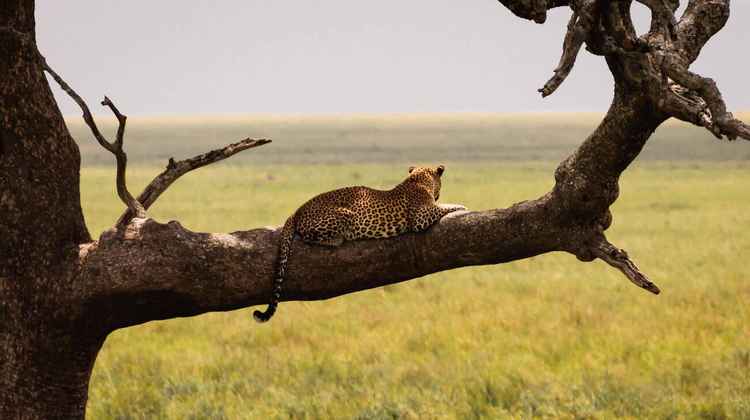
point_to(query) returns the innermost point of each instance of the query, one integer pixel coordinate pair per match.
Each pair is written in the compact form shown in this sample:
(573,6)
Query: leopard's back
(368,213)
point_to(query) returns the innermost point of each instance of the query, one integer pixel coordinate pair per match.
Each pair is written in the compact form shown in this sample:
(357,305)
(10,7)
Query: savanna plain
(546,337)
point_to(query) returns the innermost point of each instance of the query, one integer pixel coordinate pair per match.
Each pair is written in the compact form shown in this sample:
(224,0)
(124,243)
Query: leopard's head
(429,177)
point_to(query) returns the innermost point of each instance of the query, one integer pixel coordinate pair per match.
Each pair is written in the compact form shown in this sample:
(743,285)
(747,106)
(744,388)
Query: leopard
(360,212)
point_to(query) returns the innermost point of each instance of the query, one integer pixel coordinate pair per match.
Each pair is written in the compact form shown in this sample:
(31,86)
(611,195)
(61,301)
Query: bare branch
(686,105)
(732,127)
(579,26)
(122,163)
(619,259)
(618,24)
(702,20)
(723,122)
(121,120)
(177,169)
(87,117)
(137,208)
(115,148)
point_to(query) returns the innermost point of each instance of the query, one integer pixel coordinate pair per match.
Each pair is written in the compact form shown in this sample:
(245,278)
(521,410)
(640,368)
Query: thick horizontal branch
(175,170)
(159,271)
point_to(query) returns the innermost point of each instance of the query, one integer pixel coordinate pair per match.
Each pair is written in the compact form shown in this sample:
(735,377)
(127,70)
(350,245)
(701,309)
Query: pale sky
(335,56)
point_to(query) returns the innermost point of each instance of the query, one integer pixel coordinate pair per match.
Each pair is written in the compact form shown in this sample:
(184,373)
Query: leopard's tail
(285,251)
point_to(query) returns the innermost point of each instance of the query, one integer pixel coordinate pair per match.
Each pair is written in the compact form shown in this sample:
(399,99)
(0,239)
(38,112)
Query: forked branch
(138,207)
(658,62)
(113,147)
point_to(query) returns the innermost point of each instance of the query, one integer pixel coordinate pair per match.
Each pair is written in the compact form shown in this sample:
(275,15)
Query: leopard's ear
(440,170)
(412,168)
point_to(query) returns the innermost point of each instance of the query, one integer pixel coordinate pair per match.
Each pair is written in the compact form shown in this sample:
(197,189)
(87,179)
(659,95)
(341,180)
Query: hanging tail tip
(262,317)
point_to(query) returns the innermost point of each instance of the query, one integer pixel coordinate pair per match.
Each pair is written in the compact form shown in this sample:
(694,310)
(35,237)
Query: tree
(62,293)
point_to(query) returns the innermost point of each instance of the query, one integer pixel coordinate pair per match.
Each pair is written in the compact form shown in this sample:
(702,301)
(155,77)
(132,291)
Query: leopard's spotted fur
(361,212)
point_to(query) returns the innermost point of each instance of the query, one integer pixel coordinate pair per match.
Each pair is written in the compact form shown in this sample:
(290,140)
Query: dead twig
(115,148)
(579,26)
(619,259)
(137,207)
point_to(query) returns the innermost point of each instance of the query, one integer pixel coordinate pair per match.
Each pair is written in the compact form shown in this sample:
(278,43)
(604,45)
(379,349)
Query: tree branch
(115,148)
(579,27)
(121,120)
(618,25)
(137,208)
(662,16)
(686,105)
(619,259)
(701,21)
(723,122)
(175,170)
(159,271)
(87,117)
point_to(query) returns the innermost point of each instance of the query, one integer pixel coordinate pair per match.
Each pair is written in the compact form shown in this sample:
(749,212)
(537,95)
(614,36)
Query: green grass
(542,337)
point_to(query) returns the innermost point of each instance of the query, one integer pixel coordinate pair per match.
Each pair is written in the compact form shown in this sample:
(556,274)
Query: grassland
(393,138)
(543,337)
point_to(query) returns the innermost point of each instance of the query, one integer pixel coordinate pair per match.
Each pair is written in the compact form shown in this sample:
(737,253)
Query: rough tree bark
(62,293)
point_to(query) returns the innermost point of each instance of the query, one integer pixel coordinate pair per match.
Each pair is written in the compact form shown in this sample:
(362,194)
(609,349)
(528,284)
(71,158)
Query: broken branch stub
(620,259)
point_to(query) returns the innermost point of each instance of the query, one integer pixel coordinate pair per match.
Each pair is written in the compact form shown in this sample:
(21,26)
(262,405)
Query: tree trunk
(44,363)
(45,371)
